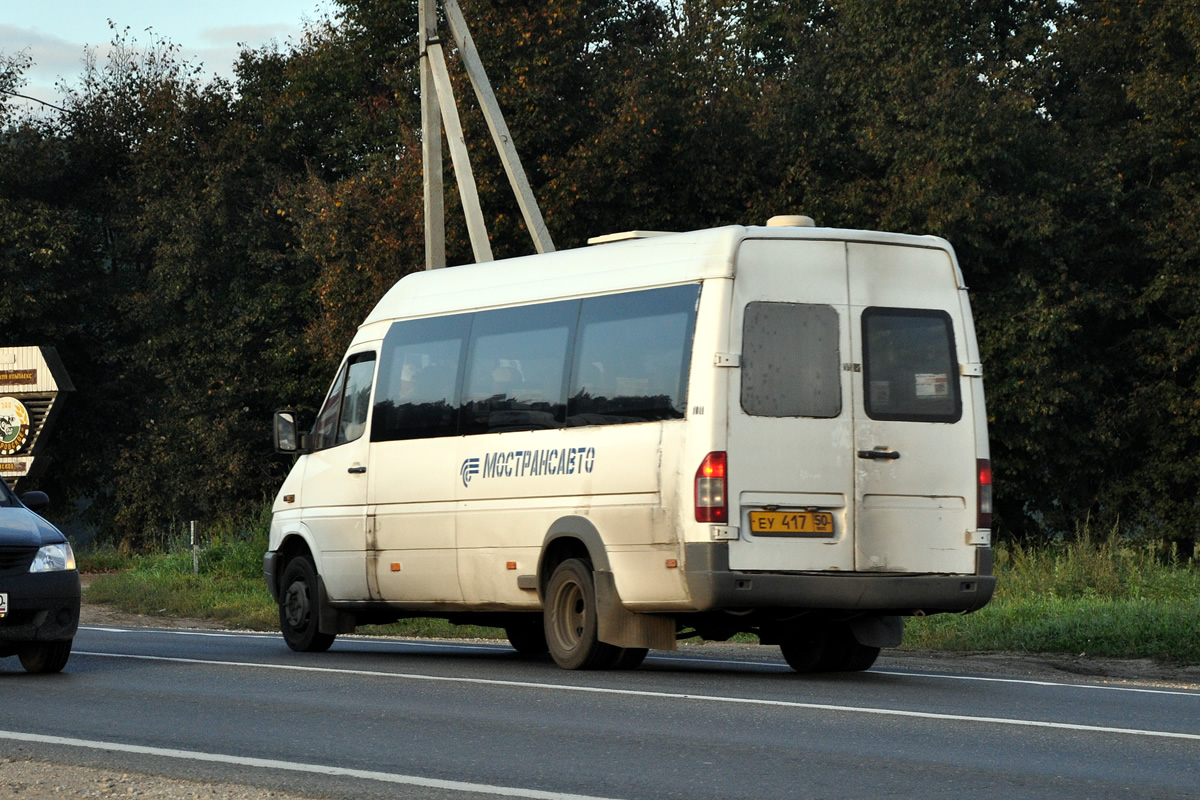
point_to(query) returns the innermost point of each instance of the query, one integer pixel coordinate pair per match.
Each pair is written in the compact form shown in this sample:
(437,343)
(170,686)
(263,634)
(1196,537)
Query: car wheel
(45,657)
(299,608)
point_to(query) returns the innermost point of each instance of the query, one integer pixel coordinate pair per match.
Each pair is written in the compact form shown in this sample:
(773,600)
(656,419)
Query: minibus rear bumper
(714,586)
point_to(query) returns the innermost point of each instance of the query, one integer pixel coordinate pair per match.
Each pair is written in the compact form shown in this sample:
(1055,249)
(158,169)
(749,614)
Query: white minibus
(776,430)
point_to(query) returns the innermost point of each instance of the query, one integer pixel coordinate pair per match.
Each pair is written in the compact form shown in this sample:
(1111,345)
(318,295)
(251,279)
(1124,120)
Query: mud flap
(871,631)
(329,619)
(618,626)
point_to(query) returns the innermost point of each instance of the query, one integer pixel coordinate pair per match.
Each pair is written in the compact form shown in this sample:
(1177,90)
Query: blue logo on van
(470,469)
(530,463)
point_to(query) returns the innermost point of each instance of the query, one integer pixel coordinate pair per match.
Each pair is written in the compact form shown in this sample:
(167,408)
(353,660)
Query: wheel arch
(295,542)
(570,537)
(576,537)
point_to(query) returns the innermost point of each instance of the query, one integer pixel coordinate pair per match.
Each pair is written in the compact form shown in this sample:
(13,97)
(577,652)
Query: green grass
(1106,597)
(1097,597)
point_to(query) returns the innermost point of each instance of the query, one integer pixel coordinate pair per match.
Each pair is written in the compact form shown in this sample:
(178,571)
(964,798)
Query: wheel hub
(296,604)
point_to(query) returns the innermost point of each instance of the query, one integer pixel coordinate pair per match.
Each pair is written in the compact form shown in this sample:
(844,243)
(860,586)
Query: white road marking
(1031,682)
(689,660)
(292,766)
(885,712)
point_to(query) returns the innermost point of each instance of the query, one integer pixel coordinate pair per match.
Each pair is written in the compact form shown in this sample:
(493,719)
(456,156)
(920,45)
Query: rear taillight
(984,468)
(711,502)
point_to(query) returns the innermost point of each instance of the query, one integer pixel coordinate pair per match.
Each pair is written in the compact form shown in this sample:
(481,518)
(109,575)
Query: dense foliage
(200,252)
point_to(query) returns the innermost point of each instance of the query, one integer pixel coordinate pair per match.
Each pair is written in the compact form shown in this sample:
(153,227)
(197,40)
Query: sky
(57,33)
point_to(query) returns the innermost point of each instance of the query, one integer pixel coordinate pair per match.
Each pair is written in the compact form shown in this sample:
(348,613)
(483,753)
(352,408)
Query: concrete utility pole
(438,110)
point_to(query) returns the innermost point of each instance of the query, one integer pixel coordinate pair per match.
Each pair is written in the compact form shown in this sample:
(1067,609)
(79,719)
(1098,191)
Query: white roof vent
(791,221)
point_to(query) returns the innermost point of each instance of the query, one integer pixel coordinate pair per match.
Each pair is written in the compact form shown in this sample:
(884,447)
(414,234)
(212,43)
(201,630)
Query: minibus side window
(419,375)
(909,368)
(791,363)
(343,417)
(632,355)
(516,368)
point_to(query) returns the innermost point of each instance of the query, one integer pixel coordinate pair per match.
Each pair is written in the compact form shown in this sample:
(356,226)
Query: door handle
(890,455)
(357,470)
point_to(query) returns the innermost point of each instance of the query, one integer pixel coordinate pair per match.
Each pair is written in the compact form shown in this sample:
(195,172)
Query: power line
(36,100)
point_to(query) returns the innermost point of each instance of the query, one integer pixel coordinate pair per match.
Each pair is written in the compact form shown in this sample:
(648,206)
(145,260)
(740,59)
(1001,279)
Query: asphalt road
(387,718)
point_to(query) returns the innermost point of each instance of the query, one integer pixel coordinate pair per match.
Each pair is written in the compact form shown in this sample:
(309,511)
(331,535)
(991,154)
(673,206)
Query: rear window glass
(790,360)
(909,368)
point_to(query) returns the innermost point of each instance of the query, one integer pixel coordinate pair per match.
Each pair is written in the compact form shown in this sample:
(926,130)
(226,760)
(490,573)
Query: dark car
(39,585)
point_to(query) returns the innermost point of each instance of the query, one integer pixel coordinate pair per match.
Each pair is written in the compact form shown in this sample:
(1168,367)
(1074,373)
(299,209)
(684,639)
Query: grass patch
(1106,597)
(225,585)
(432,629)
(165,585)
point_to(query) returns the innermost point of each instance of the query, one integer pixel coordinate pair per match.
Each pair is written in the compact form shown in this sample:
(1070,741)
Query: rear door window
(909,368)
(790,360)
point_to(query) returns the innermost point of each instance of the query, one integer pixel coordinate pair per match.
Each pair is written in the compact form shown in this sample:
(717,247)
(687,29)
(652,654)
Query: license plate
(791,523)
(3,604)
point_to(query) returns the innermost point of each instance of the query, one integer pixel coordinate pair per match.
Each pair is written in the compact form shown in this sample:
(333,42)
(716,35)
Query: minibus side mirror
(288,438)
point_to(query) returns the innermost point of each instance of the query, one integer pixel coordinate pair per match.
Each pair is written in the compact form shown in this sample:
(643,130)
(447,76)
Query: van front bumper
(714,587)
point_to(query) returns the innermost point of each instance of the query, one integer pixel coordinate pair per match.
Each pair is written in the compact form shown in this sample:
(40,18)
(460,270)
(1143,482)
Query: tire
(630,657)
(527,635)
(299,608)
(45,657)
(804,649)
(570,619)
(843,653)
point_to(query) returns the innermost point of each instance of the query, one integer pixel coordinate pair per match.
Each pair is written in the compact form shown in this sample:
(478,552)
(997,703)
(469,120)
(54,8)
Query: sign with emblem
(33,383)
(14,426)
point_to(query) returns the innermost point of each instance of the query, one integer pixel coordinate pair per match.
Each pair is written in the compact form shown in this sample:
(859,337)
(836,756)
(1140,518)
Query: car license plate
(3,604)
(791,523)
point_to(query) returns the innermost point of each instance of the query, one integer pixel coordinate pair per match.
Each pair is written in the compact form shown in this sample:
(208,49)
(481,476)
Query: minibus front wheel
(299,608)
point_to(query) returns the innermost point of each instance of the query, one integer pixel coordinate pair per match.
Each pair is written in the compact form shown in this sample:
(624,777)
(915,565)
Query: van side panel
(510,488)
(415,553)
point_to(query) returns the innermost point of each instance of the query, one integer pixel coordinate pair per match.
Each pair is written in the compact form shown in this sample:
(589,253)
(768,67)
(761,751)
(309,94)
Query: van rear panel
(852,442)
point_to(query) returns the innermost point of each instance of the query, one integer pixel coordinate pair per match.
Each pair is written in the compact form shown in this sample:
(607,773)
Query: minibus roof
(621,263)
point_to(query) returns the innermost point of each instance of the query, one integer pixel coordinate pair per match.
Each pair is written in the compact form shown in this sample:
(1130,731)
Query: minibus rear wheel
(299,608)
(843,653)
(804,648)
(571,626)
